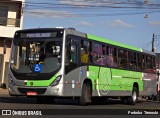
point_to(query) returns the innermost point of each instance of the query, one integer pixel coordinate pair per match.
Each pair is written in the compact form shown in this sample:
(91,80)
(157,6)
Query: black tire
(133,99)
(43,100)
(86,94)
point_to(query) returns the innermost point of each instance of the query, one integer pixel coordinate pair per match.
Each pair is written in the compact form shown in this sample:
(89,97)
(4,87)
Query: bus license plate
(31,93)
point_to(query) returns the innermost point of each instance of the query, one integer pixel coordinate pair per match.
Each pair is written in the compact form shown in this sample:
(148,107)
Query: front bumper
(41,91)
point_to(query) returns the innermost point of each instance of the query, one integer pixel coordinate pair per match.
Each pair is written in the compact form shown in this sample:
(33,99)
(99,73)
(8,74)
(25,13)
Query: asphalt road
(11,102)
(117,106)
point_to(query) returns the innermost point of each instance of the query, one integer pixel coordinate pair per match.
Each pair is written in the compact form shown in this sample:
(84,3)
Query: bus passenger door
(72,66)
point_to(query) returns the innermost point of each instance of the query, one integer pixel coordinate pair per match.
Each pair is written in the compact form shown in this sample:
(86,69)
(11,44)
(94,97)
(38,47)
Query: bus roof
(39,29)
(100,39)
(90,36)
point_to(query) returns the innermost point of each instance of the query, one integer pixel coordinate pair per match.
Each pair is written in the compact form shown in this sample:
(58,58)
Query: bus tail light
(56,81)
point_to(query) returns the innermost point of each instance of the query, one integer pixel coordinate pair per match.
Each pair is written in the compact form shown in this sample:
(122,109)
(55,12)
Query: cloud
(83,3)
(84,23)
(50,13)
(86,3)
(120,23)
(155,23)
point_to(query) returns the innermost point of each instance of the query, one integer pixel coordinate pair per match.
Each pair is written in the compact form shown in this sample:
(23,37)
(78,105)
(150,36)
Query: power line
(108,5)
(89,14)
(95,7)
(148,44)
(128,8)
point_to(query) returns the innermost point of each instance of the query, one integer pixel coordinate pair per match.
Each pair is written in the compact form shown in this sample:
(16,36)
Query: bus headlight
(11,81)
(56,81)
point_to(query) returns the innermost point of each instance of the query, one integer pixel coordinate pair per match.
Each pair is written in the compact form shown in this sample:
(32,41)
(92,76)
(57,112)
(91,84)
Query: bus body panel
(73,81)
(149,81)
(111,82)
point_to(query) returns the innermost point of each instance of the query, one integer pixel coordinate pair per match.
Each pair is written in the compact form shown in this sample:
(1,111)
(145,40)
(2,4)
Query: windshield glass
(32,56)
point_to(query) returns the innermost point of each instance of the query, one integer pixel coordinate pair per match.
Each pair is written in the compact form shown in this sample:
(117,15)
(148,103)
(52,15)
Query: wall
(15,16)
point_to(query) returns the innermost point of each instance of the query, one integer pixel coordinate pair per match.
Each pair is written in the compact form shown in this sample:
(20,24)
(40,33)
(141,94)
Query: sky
(117,20)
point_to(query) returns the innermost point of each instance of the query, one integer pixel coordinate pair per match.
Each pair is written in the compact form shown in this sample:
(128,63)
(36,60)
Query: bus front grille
(39,91)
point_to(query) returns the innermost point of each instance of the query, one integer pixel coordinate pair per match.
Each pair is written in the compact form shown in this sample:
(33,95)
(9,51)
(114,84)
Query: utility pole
(153,48)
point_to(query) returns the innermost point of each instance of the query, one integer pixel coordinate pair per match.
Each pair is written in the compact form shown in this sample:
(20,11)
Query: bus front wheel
(86,94)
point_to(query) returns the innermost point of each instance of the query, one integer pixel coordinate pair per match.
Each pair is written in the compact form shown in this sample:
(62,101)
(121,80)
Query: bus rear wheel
(133,99)
(86,94)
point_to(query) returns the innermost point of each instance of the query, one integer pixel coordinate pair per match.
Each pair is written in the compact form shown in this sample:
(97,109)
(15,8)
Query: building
(11,17)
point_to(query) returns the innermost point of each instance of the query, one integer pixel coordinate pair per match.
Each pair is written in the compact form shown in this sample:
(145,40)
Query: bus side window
(132,60)
(153,62)
(85,51)
(103,56)
(141,62)
(90,57)
(68,56)
(73,53)
(122,58)
(98,57)
(150,63)
(111,57)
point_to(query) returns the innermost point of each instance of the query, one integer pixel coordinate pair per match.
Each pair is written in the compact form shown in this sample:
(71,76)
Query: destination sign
(38,35)
(33,35)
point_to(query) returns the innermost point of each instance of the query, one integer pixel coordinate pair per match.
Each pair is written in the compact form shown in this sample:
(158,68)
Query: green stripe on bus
(89,36)
(40,83)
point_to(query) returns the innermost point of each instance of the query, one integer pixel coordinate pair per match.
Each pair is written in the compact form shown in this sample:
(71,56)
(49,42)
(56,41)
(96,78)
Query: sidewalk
(3,91)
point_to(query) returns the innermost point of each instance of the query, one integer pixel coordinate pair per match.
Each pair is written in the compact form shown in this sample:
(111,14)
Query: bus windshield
(36,56)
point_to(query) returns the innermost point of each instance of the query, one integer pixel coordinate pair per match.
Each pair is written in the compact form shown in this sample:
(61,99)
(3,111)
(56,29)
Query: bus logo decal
(37,67)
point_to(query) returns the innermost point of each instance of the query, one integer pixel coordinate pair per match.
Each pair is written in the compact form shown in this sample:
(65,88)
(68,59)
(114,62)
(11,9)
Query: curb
(4,91)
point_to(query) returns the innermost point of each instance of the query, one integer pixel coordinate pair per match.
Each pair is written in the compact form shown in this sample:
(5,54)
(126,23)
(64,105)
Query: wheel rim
(134,96)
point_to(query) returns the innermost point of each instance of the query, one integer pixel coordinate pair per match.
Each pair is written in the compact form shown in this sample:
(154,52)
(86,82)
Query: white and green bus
(63,62)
